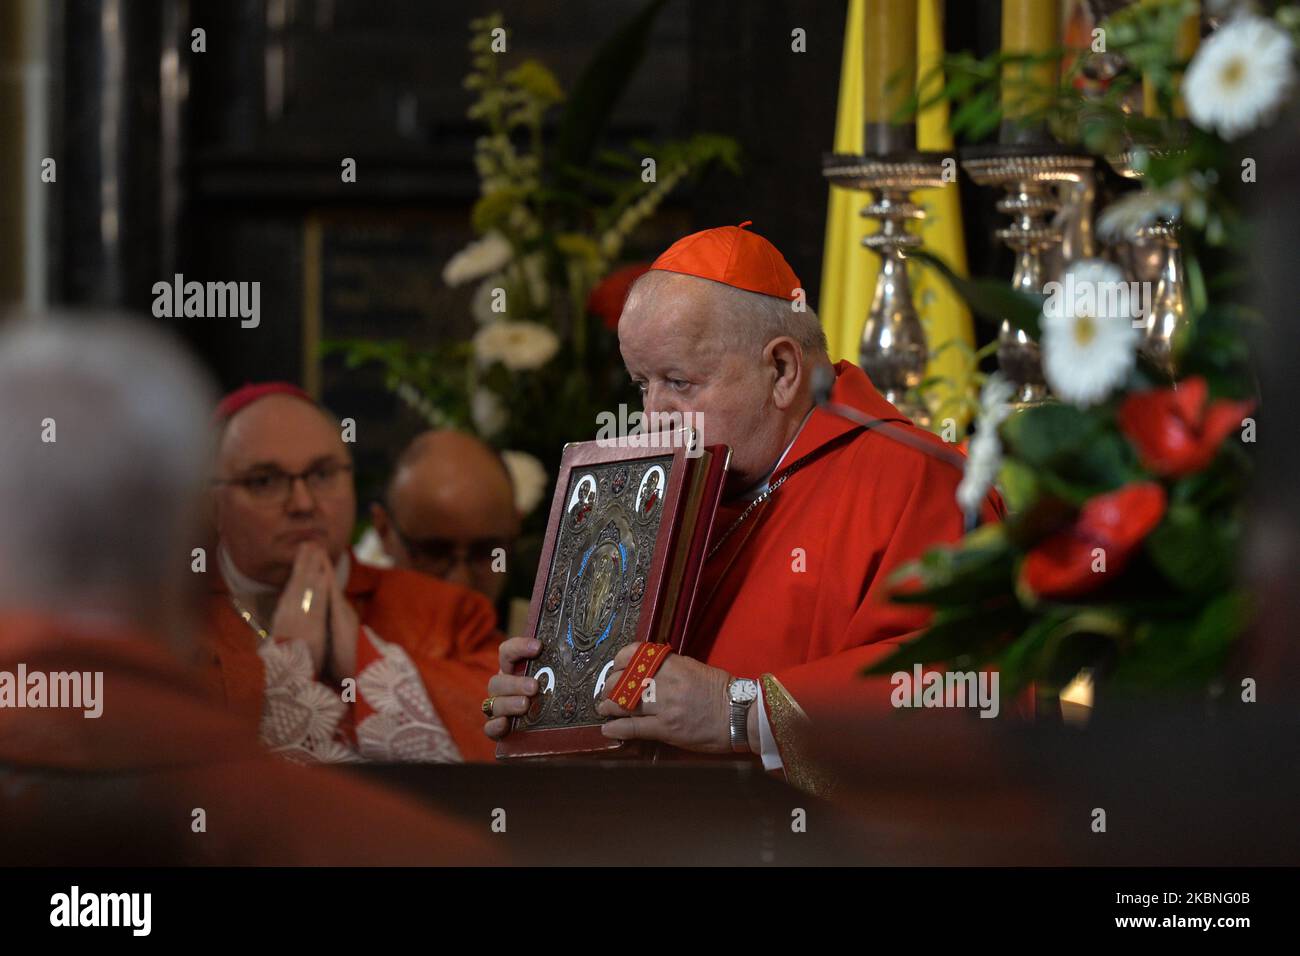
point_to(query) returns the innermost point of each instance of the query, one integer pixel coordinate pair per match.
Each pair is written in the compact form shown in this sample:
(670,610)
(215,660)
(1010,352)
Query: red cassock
(798,593)
(444,632)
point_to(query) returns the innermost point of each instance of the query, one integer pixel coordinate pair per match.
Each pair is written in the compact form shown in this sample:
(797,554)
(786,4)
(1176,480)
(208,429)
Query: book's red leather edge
(712,495)
(555,741)
(565,740)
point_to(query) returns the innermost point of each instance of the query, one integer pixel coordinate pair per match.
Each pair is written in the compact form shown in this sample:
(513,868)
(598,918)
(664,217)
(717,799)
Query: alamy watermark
(75,690)
(973,689)
(208,300)
(637,429)
(75,908)
(1098,297)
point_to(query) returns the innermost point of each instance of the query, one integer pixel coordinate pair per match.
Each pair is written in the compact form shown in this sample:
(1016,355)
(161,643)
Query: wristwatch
(741,694)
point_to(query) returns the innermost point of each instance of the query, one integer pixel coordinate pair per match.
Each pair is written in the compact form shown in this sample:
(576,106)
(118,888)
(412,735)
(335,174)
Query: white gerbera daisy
(1124,218)
(488,412)
(985,455)
(519,346)
(480,258)
(1239,76)
(528,476)
(1089,342)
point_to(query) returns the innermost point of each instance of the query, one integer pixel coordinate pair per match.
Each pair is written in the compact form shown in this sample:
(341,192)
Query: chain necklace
(247,616)
(767,493)
(780,481)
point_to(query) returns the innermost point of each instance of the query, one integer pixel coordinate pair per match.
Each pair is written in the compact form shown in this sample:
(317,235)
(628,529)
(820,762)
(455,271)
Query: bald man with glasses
(335,661)
(449,511)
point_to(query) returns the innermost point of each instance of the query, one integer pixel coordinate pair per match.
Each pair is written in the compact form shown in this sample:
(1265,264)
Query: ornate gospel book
(624,546)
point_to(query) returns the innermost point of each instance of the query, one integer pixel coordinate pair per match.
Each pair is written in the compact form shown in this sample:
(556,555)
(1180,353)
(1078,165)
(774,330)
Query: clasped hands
(313,609)
(689,708)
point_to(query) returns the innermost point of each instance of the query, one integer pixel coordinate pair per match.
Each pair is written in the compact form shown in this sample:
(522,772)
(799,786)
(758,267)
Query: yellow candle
(1032,27)
(889,58)
(1189,38)
(1189,35)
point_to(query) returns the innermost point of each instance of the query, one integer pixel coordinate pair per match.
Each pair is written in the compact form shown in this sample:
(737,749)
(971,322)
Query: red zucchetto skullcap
(246,395)
(733,256)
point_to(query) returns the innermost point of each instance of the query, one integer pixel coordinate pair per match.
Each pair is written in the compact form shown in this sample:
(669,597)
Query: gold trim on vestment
(794,737)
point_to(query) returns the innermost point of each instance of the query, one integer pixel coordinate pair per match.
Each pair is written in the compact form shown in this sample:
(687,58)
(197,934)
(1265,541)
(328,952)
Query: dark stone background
(221,179)
(287,88)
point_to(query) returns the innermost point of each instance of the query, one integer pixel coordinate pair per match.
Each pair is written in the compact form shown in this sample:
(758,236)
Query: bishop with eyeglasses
(332,659)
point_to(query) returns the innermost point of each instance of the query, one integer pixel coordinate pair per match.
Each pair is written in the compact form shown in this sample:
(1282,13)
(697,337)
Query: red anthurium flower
(1175,431)
(1067,565)
(606,300)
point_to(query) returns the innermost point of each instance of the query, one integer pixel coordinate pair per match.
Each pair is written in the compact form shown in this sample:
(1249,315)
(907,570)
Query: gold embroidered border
(793,732)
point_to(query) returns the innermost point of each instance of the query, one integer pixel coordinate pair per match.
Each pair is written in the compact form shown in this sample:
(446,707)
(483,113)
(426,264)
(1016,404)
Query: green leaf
(493,210)
(1018,663)
(973,571)
(1086,638)
(959,639)
(601,85)
(1175,652)
(537,80)
(1075,453)
(1046,434)
(978,115)
(1196,555)
(617,160)
(1018,483)
(1046,514)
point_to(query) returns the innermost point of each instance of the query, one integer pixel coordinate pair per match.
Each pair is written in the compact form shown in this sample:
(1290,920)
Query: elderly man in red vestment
(112,751)
(820,509)
(334,659)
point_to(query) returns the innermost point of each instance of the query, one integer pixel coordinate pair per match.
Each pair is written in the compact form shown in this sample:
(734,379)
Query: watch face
(744,691)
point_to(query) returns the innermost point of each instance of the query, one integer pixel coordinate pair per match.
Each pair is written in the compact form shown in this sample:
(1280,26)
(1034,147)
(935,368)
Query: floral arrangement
(553,216)
(1117,559)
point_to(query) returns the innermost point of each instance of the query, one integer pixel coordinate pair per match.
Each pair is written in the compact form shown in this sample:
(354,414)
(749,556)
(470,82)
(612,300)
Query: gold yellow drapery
(848,269)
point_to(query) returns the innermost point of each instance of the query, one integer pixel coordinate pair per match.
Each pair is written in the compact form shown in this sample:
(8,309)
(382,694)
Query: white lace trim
(301,716)
(405,726)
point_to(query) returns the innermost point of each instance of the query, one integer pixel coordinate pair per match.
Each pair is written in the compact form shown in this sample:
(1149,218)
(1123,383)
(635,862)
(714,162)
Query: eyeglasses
(437,556)
(275,486)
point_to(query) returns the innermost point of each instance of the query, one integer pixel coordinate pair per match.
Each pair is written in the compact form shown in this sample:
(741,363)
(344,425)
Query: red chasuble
(412,624)
(799,590)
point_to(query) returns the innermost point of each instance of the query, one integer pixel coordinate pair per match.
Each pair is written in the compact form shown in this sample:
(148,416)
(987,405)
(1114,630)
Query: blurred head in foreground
(450,512)
(105,447)
(105,441)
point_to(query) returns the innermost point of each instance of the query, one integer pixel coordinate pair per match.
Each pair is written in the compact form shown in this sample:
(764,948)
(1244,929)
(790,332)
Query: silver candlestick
(1168,314)
(1031,175)
(893,349)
